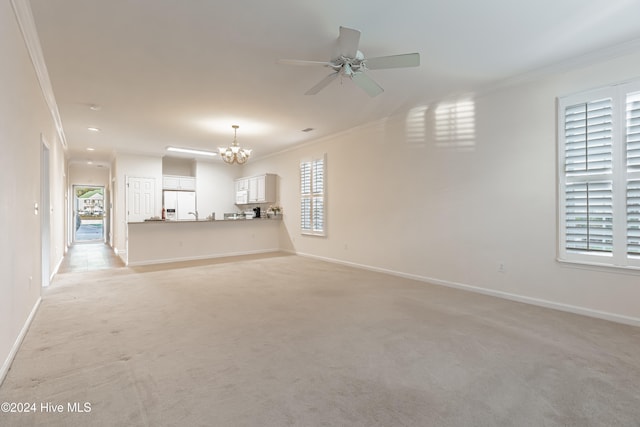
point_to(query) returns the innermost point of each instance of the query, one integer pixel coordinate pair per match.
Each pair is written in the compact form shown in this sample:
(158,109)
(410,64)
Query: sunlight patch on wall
(455,124)
(415,126)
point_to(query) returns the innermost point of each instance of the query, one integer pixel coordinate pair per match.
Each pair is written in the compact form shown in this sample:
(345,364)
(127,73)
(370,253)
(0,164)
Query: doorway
(88,211)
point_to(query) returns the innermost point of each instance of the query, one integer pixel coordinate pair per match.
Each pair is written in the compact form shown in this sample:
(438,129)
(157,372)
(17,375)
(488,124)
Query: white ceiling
(176,72)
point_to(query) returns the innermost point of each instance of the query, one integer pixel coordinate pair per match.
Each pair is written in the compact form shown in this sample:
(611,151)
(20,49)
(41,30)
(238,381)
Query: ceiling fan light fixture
(351,63)
(234,153)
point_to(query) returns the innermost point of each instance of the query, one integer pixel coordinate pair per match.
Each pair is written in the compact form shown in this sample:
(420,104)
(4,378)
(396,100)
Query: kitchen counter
(155,221)
(157,241)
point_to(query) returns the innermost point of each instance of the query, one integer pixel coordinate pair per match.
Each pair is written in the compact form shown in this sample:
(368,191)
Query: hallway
(88,257)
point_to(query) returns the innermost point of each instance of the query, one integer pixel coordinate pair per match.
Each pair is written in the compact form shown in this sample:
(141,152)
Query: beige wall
(25,122)
(81,174)
(450,215)
(215,183)
(138,166)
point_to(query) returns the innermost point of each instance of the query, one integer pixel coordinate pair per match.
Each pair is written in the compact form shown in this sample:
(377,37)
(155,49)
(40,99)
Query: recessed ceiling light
(191,151)
(92,129)
(89,162)
(90,149)
(95,107)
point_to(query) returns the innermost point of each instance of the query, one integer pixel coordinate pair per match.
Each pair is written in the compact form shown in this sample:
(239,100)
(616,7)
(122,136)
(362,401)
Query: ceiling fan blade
(348,41)
(304,63)
(322,84)
(367,84)
(393,61)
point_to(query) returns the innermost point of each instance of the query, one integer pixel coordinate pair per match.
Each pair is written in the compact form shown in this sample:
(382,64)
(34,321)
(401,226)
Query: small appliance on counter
(248,214)
(233,215)
(256,211)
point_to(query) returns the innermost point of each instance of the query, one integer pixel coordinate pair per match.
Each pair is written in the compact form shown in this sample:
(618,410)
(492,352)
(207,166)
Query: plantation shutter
(589,216)
(318,176)
(633,168)
(305,196)
(633,131)
(318,196)
(588,137)
(633,218)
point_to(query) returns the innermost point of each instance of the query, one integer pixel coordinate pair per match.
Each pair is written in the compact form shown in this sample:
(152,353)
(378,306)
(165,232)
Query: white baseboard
(618,318)
(55,270)
(16,345)
(198,258)
(122,254)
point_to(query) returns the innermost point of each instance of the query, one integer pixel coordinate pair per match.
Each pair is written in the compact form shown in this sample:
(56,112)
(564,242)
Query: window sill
(596,266)
(310,233)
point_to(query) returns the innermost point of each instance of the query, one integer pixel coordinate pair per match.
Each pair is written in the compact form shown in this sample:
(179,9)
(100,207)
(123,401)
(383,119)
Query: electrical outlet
(502,268)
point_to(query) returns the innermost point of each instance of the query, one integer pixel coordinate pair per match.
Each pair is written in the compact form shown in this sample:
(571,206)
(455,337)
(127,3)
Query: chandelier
(233,153)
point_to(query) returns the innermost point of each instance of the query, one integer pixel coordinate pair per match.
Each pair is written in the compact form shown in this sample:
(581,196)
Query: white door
(141,198)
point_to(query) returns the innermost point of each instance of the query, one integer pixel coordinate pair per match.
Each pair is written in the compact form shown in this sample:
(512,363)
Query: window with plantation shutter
(599,176)
(312,197)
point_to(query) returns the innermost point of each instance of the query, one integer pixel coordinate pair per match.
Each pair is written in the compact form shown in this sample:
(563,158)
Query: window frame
(620,176)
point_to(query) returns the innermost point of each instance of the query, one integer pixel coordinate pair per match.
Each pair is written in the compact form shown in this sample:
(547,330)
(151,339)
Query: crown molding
(584,60)
(27,25)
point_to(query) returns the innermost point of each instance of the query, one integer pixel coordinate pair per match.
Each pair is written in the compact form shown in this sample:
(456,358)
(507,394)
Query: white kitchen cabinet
(242,184)
(256,189)
(254,193)
(174,182)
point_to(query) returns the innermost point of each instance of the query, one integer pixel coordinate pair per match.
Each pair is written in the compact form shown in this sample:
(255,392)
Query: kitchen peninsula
(153,242)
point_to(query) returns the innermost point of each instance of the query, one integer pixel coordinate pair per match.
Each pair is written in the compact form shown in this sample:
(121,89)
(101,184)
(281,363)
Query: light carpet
(292,341)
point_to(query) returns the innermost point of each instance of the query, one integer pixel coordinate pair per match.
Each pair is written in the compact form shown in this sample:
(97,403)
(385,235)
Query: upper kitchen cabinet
(174,182)
(256,189)
(178,174)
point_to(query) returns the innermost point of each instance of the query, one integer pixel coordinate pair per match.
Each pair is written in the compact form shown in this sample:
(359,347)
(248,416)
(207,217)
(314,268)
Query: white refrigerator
(178,204)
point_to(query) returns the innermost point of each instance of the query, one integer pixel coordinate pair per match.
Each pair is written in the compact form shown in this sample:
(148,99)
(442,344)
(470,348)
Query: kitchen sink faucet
(194,214)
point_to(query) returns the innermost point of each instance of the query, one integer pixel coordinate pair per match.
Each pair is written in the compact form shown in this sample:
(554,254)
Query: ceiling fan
(350,62)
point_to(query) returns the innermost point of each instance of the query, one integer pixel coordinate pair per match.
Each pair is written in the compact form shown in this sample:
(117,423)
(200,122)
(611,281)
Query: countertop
(190,221)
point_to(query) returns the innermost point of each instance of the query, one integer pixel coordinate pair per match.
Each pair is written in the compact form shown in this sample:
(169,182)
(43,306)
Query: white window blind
(312,197)
(599,176)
